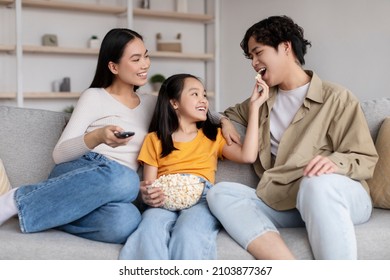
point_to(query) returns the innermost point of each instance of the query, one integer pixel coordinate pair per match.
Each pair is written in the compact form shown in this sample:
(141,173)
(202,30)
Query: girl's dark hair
(165,122)
(274,30)
(111,49)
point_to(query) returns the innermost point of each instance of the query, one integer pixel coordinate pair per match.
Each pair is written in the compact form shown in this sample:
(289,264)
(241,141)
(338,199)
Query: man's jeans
(328,205)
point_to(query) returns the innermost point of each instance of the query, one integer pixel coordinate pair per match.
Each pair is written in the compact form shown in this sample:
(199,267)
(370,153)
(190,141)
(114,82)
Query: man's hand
(319,165)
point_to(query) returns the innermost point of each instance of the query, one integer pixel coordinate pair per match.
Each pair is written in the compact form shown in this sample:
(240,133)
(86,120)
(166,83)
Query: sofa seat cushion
(380,182)
(51,245)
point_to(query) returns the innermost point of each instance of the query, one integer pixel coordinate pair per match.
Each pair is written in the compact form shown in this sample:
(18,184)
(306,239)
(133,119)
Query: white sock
(8,207)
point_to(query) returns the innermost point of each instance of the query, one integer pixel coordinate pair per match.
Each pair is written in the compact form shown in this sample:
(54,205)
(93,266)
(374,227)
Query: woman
(89,192)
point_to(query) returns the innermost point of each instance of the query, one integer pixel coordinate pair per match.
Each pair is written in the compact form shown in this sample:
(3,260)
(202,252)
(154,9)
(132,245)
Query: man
(315,153)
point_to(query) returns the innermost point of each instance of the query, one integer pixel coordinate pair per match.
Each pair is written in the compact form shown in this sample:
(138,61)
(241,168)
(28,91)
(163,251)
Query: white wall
(350,43)
(350,39)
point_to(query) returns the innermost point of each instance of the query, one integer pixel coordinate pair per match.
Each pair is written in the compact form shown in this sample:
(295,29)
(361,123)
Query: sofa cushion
(375,110)
(27,149)
(380,182)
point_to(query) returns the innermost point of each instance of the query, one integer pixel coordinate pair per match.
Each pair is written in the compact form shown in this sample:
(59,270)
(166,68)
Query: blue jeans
(328,205)
(189,234)
(89,197)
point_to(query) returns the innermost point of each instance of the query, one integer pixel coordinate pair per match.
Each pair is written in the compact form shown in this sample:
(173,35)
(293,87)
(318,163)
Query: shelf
(6,2)
(172,15)
(110,9)
(7,95)
(179,55)
(59,50)
(86,51)
(7,48)
(59,95)
(41,95)
(210,94)
(73,6)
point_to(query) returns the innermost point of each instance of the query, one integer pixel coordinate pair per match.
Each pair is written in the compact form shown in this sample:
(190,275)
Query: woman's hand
(105,135)
(154,197)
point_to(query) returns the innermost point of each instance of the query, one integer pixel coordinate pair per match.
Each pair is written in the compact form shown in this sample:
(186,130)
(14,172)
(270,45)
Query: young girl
(183,140)
(90,190)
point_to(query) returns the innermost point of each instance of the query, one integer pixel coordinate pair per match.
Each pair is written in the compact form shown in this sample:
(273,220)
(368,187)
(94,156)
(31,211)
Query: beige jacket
(329,123)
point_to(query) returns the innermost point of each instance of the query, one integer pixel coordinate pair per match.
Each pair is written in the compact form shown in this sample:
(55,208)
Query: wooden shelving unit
(24,49)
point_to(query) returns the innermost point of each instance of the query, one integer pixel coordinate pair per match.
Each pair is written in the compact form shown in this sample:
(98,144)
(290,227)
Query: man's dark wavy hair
(274,30)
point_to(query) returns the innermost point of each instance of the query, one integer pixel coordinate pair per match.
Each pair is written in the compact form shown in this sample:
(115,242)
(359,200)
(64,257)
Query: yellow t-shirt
(198,157)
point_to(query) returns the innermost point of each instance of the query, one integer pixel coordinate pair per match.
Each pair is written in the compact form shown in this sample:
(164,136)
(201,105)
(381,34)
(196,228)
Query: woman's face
(193,104)
(274,61)
(134,64)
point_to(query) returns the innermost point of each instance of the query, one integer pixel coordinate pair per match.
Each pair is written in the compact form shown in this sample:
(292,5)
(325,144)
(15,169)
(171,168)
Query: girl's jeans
(88,197)
(328,205)
(189,234)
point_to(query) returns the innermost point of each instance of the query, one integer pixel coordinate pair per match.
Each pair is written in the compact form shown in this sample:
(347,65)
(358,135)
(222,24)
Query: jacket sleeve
(239,113)
(354,149)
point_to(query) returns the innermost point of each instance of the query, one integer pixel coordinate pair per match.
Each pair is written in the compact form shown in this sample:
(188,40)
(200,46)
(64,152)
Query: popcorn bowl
(181,190)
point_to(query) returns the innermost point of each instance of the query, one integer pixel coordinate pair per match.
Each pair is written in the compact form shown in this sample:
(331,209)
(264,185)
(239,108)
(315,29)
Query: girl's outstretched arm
(247,153)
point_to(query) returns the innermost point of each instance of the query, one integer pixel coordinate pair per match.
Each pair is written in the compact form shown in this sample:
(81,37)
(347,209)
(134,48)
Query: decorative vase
(94,43)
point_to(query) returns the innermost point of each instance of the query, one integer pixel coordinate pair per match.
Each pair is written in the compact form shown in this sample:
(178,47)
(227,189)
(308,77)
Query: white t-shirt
(286,106)
(96,108)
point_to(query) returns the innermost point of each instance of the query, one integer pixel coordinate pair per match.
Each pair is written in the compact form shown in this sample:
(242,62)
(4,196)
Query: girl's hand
(154,197)
(229,132)
(105,135)
(258,99)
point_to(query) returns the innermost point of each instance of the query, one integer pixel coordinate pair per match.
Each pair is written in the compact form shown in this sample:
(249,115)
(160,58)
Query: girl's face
(133,66)
(274,61)
(193,104)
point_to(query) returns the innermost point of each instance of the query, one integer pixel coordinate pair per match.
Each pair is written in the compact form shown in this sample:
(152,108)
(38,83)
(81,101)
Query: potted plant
(156,80)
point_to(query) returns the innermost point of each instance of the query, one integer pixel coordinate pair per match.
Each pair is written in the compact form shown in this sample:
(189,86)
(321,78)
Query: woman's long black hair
(165,122)
(111,49)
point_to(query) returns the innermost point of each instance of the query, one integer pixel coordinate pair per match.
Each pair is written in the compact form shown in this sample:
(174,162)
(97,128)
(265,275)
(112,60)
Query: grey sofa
(27,138)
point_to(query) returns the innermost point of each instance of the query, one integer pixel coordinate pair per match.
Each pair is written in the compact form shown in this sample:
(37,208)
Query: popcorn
(260,73)
(181,190)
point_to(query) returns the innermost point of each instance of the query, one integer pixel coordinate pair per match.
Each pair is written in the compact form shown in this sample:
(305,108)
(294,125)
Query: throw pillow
(380,182)
(4,182)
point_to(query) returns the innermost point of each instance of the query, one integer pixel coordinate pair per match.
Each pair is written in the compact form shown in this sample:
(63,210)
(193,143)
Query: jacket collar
(314,93)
